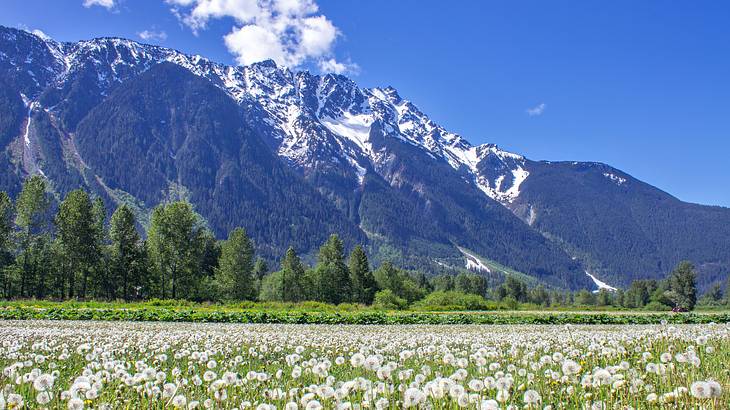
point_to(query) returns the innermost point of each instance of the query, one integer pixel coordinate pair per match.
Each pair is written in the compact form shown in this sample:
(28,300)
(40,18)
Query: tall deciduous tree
(104,283)
(128,264)
(6,232)
(33,221)
(333,277)
(175,244)
(235,269)
(77,227)
(363,281)
(683,286)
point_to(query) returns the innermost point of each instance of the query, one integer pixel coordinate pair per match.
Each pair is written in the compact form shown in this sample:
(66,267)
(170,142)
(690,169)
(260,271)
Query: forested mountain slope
(294,156)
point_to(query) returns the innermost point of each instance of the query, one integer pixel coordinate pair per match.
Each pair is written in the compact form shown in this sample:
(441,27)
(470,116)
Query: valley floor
(63,364)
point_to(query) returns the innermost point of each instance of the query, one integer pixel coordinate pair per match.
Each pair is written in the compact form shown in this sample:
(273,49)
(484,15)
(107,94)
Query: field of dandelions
(120,365)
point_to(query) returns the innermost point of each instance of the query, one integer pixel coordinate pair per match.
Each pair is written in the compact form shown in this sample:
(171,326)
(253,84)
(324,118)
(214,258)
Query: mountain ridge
(361,148)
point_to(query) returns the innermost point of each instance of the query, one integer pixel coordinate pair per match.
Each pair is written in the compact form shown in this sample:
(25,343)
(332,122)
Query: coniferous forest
(74,252)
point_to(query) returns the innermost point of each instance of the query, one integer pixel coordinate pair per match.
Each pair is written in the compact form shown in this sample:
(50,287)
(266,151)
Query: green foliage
(585,298)
(387,299)
(128,262)
(539,296)
(182,259)
(639,293)
(288,284)
(399,282)
(6,232)
(452,300)
(512,288)
(510,303)
(175,243)
(311,313)
(442,282)
(168,124)
(260,269)
(363,281)
(235,270)
(6,221)
(470,283)
(32,219)
(630,231)
(32,206)
(713,297)
(79,237)
(332,278)
(683,286)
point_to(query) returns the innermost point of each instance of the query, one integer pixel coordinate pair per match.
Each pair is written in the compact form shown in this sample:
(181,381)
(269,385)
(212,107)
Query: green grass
(314,313)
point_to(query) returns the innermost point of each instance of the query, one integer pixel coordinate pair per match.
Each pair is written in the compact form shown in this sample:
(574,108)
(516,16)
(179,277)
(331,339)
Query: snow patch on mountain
(31,106)
(473,262)
(615,178)
(312,119)
(600,284)
(355,128)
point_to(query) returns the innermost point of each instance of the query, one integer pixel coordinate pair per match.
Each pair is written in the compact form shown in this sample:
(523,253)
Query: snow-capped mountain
(365,162)
(312,118)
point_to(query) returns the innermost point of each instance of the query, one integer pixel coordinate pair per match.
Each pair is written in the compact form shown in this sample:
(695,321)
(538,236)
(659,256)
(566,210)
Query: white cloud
(334,66)
(290,32)
(152,35)
(107,4)
(537,110)
(254,43)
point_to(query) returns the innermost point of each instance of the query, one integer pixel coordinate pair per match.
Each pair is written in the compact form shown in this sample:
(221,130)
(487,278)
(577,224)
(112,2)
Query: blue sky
(641,85)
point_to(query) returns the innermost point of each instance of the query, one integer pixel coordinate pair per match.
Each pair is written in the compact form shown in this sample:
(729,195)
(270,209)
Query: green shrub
(510,303)
(365,317)
(386,299)
(452,300)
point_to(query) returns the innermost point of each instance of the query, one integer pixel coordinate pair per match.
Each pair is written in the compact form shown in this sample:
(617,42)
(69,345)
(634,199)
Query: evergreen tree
(470,283)
(206,286)
(6,232)
(515,289)
(388,277)
(713,297)
(399,282)
(260,269)
(288,284)
(292,275)
(363,281)
(333,278)
(443,282)
(32,219)
(175,245)
(423,283)
(639,293)
(683,286)
(235,270)
(128,265)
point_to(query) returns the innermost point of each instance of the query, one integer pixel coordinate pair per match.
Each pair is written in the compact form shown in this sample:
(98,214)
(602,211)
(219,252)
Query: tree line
(73,252)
